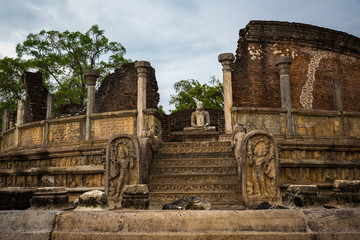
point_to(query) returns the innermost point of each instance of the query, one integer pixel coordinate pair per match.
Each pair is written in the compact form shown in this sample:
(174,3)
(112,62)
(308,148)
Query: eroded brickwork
(118,91)
(320,57)
(36,96)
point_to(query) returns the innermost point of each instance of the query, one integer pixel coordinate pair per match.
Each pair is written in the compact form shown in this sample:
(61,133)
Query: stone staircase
(203,169)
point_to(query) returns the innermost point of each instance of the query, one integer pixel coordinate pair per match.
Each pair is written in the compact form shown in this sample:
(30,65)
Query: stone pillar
(20,119)
(142,68)
(91,76)
(50,106)
(12,119)
(6,119)
(283,64)
(226,60)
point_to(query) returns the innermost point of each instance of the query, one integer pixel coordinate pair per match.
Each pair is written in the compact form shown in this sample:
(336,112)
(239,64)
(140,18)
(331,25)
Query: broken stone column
(346,193)
(135,197)
(6,120)
(283,64)
(91,76)
(226,60)
(20,119)
(93,201)
(12,117)
(142,68)
(50,106)
(20,113)
(50,198)
(302,195)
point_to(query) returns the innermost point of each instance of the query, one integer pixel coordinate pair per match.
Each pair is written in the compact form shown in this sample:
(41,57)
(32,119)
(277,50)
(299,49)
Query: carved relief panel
(260,169)
(122,161)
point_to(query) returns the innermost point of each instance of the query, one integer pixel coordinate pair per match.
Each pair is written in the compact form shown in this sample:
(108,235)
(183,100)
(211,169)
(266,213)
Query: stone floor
(286,224)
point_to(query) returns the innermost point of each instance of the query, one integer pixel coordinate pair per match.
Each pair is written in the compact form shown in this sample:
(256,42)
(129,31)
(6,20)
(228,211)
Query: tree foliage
(188,92)
(11,85)
(62,57)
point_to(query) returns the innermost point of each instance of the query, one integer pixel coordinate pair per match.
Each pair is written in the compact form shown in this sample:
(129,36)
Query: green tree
(11,85)
(62,57)
(189,91)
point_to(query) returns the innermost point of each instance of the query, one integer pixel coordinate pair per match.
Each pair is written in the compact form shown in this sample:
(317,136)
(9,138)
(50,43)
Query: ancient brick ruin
(289,134)
(321,57)
(36,96)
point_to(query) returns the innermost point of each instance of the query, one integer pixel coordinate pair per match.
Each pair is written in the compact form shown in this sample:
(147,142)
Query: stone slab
(180,221)
(28,224)
(246,224)
(347,185)
(284,224)
(334,220)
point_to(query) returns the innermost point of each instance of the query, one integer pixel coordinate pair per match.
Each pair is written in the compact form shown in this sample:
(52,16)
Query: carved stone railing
(305,123)
(70,130)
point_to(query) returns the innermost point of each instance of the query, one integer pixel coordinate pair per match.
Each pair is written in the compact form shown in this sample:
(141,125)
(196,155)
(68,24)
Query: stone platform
(196,136)
(289,224)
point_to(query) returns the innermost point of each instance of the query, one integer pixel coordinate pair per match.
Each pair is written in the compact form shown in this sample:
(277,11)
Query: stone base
(93,201)
(196,136)
(50,198)
(346,193)
(279,224)
(302,195)
(135,197)
(15,198)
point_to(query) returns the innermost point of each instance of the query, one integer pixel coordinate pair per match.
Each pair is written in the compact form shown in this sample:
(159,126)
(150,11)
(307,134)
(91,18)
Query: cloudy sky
(180,38)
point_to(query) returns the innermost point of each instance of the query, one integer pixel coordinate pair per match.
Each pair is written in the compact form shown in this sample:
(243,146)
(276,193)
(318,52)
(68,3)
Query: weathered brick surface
(152,95)
(321,56)
(36,96)
(118,91)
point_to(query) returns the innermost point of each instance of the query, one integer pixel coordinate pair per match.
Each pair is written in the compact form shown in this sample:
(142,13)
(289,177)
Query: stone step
(197,162)
(214,206)
(193,170)
(197,149)
(194,187)
(279,224)
(194,155)
(192,178)
(180,145)
(212,197)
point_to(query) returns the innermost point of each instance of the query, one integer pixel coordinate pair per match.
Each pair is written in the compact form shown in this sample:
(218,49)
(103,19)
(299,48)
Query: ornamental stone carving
(260,169)
(122,161)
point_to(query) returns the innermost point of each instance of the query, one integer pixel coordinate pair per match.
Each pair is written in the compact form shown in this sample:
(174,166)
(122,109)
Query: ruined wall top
(274,31)
(324,69)
(118,91)
(36,96)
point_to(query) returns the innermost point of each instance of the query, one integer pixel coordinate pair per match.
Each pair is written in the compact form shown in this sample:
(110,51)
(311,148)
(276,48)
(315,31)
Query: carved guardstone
(122,166)
(260,169)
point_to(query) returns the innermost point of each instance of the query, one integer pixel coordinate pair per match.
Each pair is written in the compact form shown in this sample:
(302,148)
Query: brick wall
(36,97)
(118,91)
(320,57)
(152,95)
